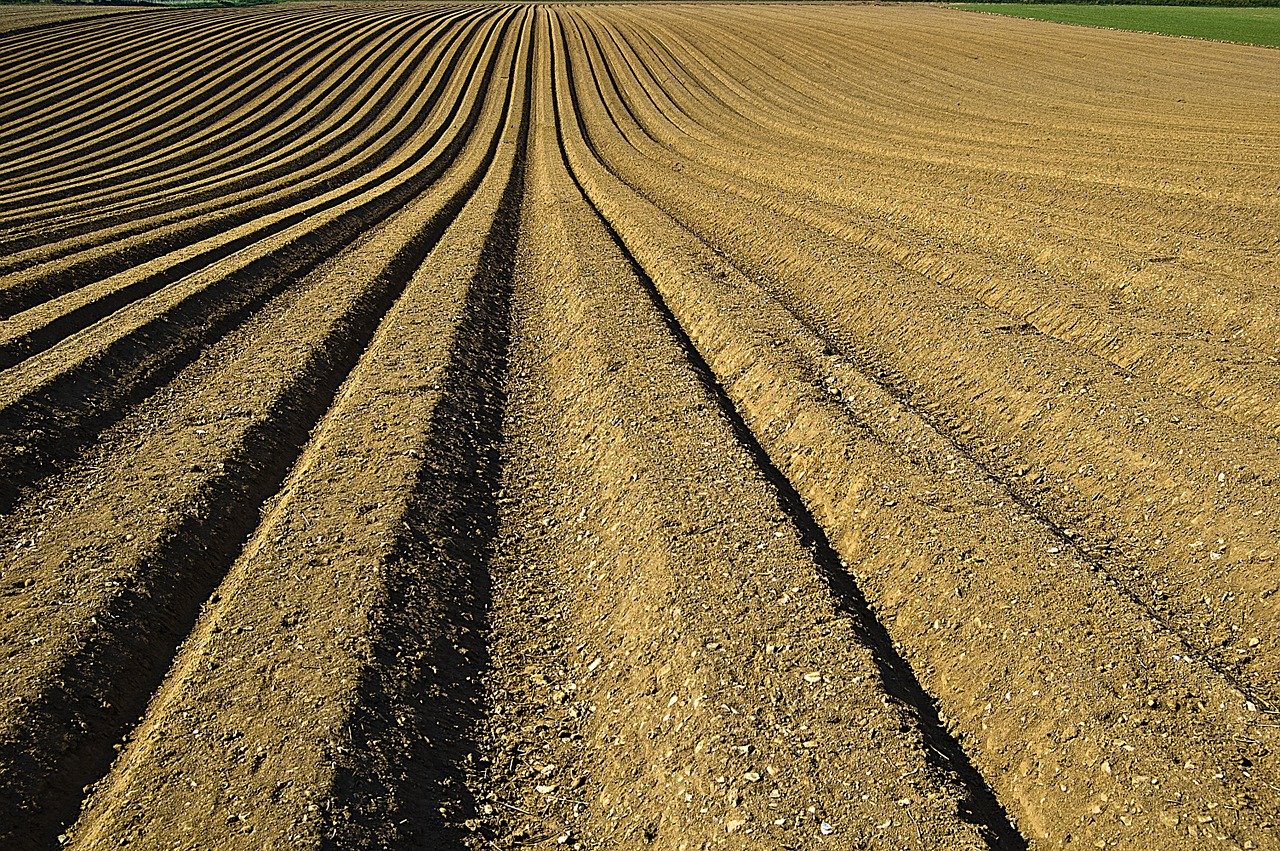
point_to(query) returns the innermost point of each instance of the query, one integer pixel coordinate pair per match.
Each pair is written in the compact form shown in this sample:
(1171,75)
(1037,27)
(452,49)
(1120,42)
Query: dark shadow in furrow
(227,147)
(157,155)
(180,132)
(125,34)
(980,806)
(14,299)
(28,56)
(102,691)
(403,783)
(155,65)
(98,42)
(47,428)
(148,69)
(47,25)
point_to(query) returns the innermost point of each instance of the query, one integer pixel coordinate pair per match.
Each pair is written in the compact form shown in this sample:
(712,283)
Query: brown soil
(429,426)
(15,18)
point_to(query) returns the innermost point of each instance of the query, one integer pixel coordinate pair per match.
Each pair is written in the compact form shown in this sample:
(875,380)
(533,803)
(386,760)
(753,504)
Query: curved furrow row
(56,401)
(45,298)
(976,123)
(133,45)
(840,135)
(27,20)
(118,131)
(1176,355)
(64,51)
(65,48)
(381,109)
(715,485)
(112,125)
(1103,489)
(1225,301)
(229,146)
(128,78)
(885,159)
(218,420)
(299,131)
(1031,583)
(142,150)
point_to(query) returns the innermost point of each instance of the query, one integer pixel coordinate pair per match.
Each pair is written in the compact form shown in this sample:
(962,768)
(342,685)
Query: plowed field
(622,426)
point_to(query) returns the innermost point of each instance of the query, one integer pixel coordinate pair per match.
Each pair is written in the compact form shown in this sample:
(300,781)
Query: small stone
(813,677)
(826,829)
(753,776)
(545,789)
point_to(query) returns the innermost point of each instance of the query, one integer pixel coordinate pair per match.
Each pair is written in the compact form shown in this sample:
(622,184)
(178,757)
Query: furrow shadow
(421,700)
(981,807)
(171,173)
(103,264)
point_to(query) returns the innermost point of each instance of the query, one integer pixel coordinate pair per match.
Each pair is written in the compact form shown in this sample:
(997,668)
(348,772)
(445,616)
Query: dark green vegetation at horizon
(1259,26)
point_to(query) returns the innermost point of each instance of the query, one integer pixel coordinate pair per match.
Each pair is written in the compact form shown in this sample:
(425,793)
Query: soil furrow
(1248,392)
(57,402)
(159,141)
(159,574)
(100,65)
(1231,319)
(145,139)
(338,779)
(159,75)
(33,20)
(1015,412)
(597,367)
(300,132)
(133,244)
(665,425)
(69,304)
(123,242)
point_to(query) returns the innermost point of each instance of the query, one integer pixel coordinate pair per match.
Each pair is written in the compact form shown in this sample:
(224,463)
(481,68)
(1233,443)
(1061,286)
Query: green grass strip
(1242,25)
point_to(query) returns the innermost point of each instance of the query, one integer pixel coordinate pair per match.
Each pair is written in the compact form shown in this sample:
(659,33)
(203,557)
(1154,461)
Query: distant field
(1244,25)
(15,16)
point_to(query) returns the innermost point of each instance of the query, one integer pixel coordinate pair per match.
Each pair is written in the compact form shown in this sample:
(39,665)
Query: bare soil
(433,426)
